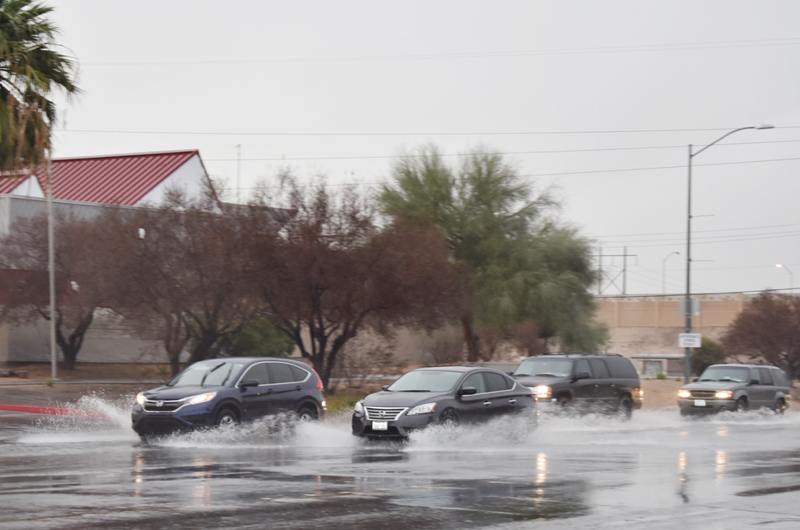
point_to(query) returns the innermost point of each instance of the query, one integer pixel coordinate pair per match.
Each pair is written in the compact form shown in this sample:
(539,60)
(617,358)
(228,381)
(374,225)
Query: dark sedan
(221,392)
(442,395)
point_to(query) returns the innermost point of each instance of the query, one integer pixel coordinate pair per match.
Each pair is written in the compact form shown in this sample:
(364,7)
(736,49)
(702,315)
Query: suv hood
(713,385)
(179,392)
(532,381)
(400,399)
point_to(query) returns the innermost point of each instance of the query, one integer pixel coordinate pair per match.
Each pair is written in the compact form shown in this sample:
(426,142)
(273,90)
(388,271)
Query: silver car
(735,387)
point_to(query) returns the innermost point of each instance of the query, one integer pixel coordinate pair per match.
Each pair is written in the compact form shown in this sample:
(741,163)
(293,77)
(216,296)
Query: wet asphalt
(656,471)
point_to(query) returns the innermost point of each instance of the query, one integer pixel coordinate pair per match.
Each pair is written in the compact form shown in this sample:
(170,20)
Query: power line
(472,55)
(431,133)
(698,231)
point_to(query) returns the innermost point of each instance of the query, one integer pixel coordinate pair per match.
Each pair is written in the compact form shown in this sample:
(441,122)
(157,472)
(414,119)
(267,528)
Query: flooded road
(658,471)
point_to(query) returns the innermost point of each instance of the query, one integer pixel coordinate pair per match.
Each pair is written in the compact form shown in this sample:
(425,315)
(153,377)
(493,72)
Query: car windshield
(545,368)
(207,373)
(426,381)
(731,374)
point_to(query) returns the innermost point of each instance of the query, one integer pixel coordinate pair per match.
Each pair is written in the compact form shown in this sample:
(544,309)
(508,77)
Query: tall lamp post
(664,272)
(687,367)
(791,276)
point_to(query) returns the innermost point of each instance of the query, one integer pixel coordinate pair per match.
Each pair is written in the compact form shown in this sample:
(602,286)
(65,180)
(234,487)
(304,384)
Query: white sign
(690,340)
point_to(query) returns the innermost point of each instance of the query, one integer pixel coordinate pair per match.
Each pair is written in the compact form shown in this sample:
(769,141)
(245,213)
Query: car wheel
(779,407)
(563,405)
(226,418)
(449,419)
(625,408)
(741,405)
(307,414)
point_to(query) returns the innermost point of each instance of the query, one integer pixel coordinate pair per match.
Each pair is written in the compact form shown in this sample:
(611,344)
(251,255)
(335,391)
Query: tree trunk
(473,351)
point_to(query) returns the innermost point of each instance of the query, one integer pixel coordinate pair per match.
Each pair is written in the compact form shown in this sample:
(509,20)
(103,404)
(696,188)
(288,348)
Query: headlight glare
(359,408)
(427,408)
(201,398)
(140,399)
(684,394)
(543,392)
(723,394)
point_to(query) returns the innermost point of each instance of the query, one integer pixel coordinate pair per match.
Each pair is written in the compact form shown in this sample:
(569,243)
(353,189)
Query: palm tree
(30,71)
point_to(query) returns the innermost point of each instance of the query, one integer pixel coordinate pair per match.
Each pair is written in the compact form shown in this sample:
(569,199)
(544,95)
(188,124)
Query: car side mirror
(754,382)
(467,391)
(248,383)
(510,373)
(695,379)
(385,387)
(583,375)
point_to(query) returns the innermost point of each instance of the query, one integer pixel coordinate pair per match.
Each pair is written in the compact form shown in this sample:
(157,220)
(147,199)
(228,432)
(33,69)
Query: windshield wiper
(545,375)
(202,381)
(707,380)
(415,391)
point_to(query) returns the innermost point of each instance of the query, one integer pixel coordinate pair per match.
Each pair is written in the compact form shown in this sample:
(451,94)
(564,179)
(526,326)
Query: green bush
(341,402)
(662,377)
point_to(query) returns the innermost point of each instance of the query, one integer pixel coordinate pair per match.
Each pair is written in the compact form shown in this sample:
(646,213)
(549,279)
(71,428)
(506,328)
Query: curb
(52,410)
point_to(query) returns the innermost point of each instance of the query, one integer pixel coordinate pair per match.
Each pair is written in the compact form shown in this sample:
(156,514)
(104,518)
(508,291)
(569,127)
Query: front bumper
(400,428)
(705,406)
(188,418)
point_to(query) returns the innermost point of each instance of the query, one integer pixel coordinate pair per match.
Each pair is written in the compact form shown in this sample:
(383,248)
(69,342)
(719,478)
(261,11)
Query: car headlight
(201,398)
(543,392)
(723,394)
(359,408)
(427,408)
(140,399)
(684,394)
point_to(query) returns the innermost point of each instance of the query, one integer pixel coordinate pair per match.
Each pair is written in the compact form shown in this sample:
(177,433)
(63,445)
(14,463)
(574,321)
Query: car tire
(625,408)
(449,419)
(741,405)
(780,406)
(226,418)
(564,405)
(307,413)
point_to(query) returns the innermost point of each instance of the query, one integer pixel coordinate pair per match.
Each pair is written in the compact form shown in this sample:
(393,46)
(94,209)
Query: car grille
(153,405)
(703,394)
(384,413)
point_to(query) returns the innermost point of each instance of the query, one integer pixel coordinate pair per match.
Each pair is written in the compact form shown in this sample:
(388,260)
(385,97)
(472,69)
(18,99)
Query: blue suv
(220,392)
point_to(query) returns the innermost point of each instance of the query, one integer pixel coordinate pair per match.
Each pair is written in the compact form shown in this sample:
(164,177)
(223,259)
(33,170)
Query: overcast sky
(597,99)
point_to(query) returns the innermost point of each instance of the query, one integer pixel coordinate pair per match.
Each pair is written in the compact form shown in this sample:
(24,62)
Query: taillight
(319,379)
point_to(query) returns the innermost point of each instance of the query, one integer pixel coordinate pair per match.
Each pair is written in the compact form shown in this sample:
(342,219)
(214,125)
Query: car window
(620,367)
(754,376)
(280,373)
(298,373)
(257,372)
(475,380)
(599,368)
(544,367)
(207,373)
(726,374)
(582,366)
(778,377)
(496,382)
(766,377)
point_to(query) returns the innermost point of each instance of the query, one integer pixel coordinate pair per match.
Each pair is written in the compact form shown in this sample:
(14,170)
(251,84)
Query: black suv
(228,391)
(735,387)
(582,382)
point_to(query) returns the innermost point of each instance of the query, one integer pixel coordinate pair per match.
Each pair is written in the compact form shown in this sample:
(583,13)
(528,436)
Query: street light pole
(664,272)
(687,366)
(791,276)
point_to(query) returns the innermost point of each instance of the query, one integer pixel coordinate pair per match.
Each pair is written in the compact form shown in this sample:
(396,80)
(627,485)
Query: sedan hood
(179,392)
(400,399)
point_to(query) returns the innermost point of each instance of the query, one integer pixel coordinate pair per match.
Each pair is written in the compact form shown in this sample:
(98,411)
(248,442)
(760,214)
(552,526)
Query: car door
(286,390)
(584,390)
(474,407)
(605,390)
(255,399)
(768,389)
(498,392)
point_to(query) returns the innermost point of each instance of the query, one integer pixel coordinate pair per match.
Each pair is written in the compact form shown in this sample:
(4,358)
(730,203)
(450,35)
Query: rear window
(280,373)
(496,382)
(599,368)
(779,377)
(620,367)
(766,377)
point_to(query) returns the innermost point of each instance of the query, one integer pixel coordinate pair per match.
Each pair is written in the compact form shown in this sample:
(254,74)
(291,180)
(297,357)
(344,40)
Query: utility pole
(239,175)
(624,272)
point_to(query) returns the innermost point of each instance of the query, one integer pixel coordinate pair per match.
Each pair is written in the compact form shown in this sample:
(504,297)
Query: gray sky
(590,97)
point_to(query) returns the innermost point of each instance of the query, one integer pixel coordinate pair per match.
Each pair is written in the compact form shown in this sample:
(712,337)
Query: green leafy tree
(710,352)
(260,338)
(525,266)
(30,71)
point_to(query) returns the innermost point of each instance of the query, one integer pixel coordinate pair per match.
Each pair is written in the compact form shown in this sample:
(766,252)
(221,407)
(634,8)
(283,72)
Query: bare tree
(82,282)
(767,329)
(331,271)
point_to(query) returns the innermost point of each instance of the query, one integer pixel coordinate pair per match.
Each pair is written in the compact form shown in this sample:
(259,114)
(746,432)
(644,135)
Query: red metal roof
(9,182)
(114,179)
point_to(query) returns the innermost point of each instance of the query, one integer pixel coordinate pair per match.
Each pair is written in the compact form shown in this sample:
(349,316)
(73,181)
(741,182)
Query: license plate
(699,402)
(380,425)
